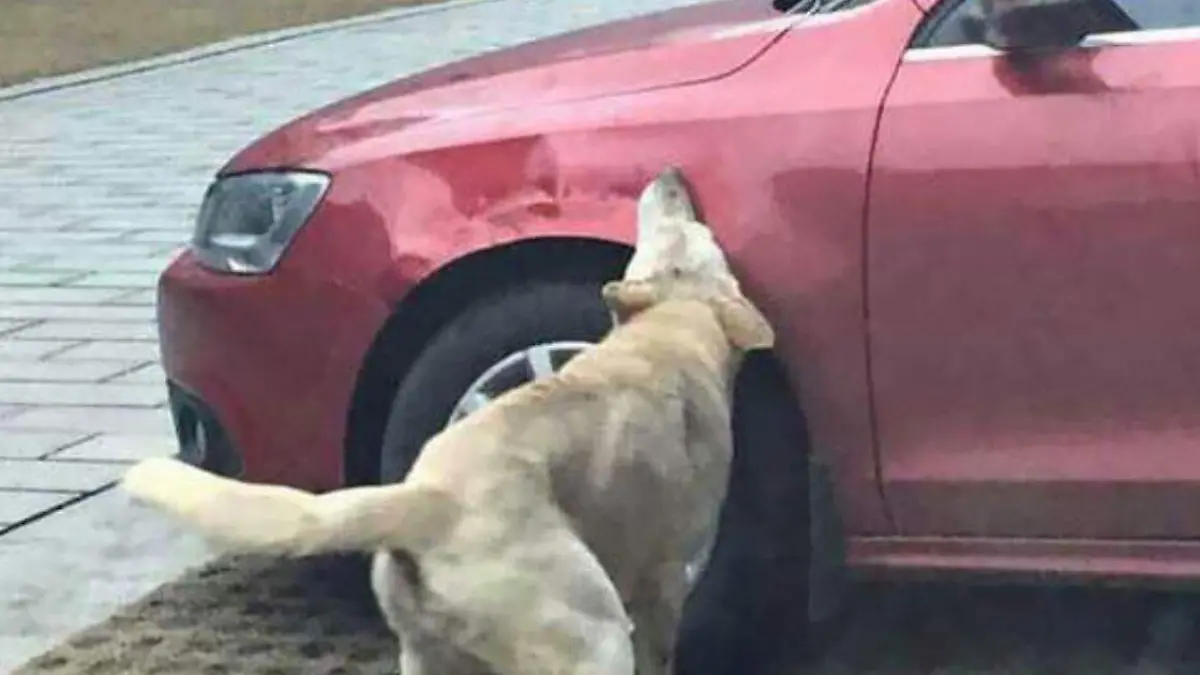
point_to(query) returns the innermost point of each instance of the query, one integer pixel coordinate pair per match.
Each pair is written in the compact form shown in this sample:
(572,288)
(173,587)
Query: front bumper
(203,440)
(267,365)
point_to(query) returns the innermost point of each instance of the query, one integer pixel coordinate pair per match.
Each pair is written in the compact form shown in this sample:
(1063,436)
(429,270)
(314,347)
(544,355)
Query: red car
(979,241)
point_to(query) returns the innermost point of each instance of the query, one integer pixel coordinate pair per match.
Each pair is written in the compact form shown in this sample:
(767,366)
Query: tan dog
(527,534)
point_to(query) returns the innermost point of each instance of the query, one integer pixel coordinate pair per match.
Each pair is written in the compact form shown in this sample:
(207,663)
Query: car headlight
(247,221)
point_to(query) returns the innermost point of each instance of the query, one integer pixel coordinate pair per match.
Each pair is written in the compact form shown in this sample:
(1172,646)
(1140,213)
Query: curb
(242,43)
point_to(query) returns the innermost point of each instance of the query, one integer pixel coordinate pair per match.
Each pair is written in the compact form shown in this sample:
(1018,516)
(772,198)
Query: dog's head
(678,258)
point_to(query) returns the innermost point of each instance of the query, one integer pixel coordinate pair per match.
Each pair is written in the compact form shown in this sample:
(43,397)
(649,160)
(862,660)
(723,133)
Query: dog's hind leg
(656,610)
(610,653)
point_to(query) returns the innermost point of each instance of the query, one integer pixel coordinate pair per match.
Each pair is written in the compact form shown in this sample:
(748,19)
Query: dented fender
(414,215)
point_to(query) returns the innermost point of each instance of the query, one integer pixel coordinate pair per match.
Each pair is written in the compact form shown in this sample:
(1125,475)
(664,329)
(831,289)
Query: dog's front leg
(656,610)
(410,662)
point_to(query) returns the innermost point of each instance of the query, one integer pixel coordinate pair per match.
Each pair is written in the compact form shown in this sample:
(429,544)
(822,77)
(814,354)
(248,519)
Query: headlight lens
(247,221)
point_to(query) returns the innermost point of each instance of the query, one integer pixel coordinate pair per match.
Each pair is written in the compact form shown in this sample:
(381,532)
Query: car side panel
(777,154)
(1034,250)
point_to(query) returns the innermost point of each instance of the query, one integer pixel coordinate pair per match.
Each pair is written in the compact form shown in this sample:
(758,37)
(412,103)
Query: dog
(546,533)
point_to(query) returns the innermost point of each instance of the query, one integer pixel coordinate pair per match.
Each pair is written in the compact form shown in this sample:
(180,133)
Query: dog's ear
(625,299)
(745,326)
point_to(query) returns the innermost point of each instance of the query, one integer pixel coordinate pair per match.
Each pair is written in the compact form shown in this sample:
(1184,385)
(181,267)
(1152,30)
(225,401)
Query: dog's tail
(272,519)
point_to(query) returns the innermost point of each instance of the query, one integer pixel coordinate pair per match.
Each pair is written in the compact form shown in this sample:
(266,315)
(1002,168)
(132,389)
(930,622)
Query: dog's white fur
(527,534)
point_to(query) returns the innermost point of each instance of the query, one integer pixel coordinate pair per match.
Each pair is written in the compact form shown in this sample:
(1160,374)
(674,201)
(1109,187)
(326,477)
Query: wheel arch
(433,302)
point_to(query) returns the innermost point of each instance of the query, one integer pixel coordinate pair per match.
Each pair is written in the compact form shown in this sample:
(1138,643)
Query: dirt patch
(51,37)
(239,616)
(259,617)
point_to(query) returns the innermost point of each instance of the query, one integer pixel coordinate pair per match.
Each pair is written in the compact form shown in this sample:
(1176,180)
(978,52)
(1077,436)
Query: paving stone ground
(98,187)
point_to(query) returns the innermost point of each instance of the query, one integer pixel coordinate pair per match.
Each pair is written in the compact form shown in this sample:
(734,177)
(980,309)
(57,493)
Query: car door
(1033,263)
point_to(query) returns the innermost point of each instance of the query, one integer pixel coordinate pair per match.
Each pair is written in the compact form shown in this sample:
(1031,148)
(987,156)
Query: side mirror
(1031,26)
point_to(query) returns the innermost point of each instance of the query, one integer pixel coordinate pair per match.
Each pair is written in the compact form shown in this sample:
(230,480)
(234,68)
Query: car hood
(678,46)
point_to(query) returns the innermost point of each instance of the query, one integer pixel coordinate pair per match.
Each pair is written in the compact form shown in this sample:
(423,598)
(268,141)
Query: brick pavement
(98,185)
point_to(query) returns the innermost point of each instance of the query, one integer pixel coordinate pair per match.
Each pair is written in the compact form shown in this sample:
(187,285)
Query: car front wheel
(493,345)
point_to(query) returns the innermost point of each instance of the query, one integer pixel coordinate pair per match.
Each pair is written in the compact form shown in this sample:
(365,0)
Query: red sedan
(978,239)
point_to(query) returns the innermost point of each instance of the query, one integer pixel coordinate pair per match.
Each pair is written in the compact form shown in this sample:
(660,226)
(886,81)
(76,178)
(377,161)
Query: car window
(946,26)
(1158,14)
(818,6)
(848,4)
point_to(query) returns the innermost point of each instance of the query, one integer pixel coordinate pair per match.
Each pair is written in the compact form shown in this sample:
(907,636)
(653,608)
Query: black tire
(748,612)
(483,334)
(745,611)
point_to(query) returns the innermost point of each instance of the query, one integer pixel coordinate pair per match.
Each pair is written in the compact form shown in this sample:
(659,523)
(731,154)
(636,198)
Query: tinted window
(1156,14)
(849,4)
(947,28)
(817,6)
